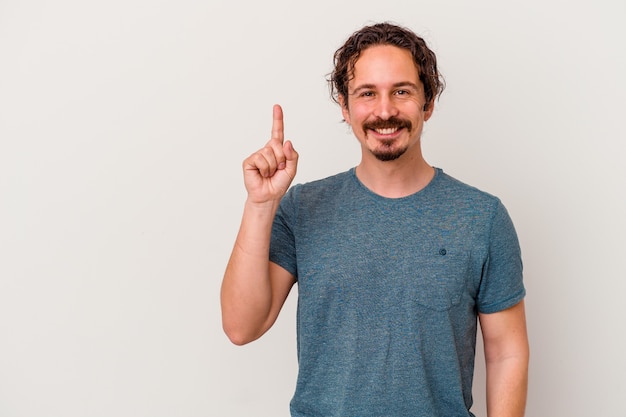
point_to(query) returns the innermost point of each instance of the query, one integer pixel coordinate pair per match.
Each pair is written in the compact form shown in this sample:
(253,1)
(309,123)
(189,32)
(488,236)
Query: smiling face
(385,106)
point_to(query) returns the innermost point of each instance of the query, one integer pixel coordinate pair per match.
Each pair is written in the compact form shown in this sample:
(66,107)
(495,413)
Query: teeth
(387,131)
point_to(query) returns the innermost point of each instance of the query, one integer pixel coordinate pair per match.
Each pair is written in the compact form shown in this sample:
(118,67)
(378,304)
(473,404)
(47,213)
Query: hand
(268,173)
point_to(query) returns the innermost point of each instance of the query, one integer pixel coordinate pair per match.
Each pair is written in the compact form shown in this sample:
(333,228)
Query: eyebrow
(396,85)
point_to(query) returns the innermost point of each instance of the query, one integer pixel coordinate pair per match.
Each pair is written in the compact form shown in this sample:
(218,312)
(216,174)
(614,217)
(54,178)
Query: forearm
(246,294)
(507,382)
(506,358)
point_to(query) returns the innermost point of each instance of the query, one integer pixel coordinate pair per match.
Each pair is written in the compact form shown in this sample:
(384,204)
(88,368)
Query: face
(385,103)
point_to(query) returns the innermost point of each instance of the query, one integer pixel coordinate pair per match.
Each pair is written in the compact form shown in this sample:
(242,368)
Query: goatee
(386,152)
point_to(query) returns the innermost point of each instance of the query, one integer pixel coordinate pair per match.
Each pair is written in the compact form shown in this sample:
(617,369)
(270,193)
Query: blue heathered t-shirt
(389,291)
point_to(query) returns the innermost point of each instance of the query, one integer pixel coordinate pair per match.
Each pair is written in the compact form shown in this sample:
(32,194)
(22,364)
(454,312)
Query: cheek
(357,114)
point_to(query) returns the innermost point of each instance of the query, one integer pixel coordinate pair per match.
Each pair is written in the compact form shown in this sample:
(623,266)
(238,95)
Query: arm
(254,289)
(506,358)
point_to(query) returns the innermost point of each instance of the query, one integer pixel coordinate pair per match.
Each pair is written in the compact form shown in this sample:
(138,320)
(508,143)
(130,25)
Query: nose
(385,107)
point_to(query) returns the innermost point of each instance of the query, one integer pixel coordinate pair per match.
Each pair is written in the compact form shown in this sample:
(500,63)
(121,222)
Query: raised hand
(269,171)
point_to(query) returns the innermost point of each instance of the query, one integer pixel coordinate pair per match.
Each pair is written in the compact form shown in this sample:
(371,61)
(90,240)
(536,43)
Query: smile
(389,127)
(386,131)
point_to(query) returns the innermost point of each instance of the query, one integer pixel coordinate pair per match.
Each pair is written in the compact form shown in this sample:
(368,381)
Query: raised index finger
(278,130)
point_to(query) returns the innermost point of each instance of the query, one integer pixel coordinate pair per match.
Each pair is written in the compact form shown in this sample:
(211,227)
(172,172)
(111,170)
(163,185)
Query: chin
(388,154)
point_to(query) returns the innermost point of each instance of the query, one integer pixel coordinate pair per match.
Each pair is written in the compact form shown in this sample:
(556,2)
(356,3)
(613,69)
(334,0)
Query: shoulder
(459,194)
(331,182)
(325,187)
(454,184)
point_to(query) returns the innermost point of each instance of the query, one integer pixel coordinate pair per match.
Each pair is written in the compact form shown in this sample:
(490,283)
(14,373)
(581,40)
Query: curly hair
(385,34)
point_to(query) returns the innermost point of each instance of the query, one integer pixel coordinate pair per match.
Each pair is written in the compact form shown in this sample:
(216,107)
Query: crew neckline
(438,172)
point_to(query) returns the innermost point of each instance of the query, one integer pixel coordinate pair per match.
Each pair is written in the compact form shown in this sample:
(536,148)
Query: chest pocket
(439,280)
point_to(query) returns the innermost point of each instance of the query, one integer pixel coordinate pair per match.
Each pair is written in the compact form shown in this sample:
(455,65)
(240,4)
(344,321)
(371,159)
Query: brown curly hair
(385,34)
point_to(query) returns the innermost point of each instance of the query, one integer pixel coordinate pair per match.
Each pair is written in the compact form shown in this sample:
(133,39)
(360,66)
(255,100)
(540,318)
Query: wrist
(267,207)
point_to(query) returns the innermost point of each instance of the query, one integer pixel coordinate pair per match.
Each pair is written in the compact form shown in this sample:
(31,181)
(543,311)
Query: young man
(395,260)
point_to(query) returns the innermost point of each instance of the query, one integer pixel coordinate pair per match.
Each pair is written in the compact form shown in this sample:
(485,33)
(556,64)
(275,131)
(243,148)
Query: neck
(395,179)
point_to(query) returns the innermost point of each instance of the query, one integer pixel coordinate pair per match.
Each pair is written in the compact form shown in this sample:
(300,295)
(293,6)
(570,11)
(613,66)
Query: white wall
(123,125)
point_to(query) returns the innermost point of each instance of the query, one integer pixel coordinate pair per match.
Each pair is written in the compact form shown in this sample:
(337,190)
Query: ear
(428,109)
(343,102)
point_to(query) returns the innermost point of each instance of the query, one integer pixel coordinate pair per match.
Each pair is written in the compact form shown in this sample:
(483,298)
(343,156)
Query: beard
(387,152)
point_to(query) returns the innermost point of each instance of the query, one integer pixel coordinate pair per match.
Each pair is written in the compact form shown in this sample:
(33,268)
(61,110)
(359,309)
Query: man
(395,260)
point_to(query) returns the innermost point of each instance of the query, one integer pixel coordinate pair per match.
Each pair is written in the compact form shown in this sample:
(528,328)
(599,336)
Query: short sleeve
(282,244)
(502,279)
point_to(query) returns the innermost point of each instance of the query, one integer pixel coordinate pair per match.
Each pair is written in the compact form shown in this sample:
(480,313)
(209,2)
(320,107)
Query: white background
(123,125)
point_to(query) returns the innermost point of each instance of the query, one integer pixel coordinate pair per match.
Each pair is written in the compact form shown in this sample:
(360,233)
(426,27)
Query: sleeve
(283,241)
(502,283)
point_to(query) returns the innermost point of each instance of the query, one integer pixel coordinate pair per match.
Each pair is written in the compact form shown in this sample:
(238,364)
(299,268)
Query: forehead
(382,64)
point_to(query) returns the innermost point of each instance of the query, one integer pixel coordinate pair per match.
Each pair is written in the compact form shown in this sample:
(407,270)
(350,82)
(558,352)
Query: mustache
(392,122)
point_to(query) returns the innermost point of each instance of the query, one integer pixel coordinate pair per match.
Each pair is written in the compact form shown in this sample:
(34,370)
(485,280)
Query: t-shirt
(388,293)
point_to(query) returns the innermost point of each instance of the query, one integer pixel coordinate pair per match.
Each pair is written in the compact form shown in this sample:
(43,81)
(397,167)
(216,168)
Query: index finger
(278,130)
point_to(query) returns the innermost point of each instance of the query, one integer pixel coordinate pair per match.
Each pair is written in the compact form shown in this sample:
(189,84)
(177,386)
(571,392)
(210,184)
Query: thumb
(291,157)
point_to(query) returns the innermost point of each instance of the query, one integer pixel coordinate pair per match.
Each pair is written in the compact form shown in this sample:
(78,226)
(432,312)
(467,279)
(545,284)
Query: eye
(367,94)
(403,92)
